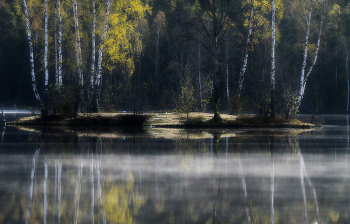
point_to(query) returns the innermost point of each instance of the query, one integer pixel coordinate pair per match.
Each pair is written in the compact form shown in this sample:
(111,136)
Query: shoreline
(164,120)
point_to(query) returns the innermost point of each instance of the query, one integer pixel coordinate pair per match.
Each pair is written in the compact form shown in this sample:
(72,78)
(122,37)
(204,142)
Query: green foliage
(186,100)
(63,102)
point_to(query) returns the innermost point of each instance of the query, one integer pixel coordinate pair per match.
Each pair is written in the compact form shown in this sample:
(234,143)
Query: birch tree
(305,19)
(93,45)
(273,79)
(46,51)
(60,57)
(245,57)
(78,50)
(119,38)
(31,58)
(99,60)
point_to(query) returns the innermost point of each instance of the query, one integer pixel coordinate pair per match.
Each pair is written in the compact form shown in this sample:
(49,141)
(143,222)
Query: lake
(134,175)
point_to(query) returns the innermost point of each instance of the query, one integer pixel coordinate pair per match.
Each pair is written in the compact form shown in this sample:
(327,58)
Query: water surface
(110,175)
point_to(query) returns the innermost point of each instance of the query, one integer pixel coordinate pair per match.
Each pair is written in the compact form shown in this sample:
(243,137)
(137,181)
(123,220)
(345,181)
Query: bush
(195,120)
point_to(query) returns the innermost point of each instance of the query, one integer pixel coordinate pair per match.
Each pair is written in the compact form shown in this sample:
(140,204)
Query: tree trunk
(98,80)
(93,58)
(227,79)
(245,59)
(303,78)
(46,52)
(60,57)
(273,71)
(78,51)
(199,76)
(56,47)
(31,56)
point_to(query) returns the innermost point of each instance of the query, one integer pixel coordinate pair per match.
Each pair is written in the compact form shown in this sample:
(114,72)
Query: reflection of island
(212,175)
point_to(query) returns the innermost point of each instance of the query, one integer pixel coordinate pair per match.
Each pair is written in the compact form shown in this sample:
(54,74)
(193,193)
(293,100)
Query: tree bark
(303,78)
(99,60)
(78,50)
(31,57)
(93,57)
(273,67)
(56,47)
(46,52)
(245,58)
(60,57)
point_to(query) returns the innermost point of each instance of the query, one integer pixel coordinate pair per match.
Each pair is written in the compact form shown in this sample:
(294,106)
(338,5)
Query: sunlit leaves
(123,39)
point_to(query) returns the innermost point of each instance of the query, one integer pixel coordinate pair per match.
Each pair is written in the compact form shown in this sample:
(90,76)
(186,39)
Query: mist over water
(95,175)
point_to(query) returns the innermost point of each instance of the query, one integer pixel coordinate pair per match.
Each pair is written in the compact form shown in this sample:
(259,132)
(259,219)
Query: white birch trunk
(93,45)
(246,51)
(31,56)
(56,47)
(100,53)
(303,78)
(273,66)
(78,48)
(60,57)
(46,51)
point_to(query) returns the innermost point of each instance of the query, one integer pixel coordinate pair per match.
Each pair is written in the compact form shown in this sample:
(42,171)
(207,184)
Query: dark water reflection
(99,175)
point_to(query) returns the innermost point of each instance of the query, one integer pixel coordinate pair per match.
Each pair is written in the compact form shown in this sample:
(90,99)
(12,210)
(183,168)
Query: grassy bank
(167,120)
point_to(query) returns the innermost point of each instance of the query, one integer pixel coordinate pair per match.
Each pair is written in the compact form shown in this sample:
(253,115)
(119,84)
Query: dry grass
(169,120)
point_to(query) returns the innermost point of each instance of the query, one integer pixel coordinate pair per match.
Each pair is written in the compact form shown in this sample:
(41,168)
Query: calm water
(99,175)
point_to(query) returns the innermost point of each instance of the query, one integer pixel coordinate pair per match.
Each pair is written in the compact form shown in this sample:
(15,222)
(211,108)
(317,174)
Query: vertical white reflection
(98,171)
(3,134)
(244,188)
(312,187)
(92,188)
(59,192)
(45,195)
(55,191)
(32,173)
(347,143)
(301,162)
(226,161)
(272,192)
(77,193)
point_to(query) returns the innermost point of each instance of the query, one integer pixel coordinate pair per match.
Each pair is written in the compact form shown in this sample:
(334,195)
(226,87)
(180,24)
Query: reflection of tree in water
(205,186)
(121,201)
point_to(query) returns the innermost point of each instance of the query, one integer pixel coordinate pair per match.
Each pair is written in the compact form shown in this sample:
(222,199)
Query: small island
(166,120)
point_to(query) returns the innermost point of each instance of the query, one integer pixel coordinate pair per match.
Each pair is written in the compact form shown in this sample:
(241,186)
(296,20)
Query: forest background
(159,55)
